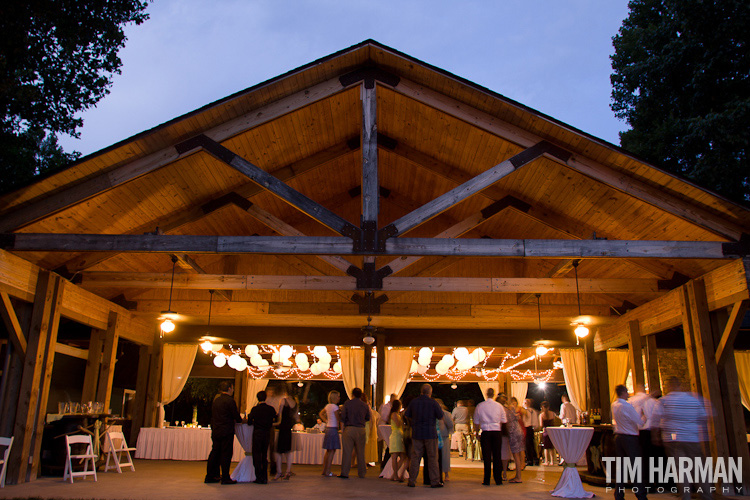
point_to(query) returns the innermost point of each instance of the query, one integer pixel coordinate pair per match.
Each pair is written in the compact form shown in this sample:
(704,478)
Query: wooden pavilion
(368,182)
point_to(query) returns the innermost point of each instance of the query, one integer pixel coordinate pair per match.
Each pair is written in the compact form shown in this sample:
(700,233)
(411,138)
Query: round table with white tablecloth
(571,444)
(179,443)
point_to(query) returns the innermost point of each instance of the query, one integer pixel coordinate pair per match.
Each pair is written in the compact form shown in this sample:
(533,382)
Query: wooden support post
(709,375)
(366,386)
(238,387)
(15,332)
(150,418)
(732,401)
(141,387)
(33,368)
(49,361)
(687,327)
(593,395)
(109,359)
(381,350)
(14,374)
(635,353)
(370,184)
(729,332)
(91,376)
(602,371)
(243,393)
(652,363)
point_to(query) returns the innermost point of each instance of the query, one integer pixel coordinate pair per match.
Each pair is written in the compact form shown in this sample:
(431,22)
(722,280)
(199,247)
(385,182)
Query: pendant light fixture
(369,330)
(167,326)
(541,350)
(207,345)
(581,330)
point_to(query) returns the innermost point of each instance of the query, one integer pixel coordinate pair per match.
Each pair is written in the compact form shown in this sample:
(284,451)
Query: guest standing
(644,405)
(626,421)
(354,414)
(224,415)
(515,436)
(396,441)
(460,417)
(261,417)
(531,422)
(547,419)
(446,427)
(423,413)
(568,412)
(285,421)
(331,415)
(385,411)
(489,416)
(371,433)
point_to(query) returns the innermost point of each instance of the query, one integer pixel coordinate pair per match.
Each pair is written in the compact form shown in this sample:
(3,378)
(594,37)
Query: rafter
(187,263)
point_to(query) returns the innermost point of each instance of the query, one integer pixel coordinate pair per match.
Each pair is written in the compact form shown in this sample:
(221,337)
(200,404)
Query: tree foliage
(57,58)
(682,82)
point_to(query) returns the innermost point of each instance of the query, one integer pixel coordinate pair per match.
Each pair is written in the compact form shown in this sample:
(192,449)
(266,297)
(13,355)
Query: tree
(682,82)
(57,58)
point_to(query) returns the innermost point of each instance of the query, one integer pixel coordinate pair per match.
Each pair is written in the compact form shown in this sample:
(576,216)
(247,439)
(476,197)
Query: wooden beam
(332,245)
(597,171)
(396,283)
(72,351)
(705,350)
(91,375)
(636,353)
(369,141)
(109,358)
(45,206)
(31,381)
(694,371)
(15,332)
(725,286)
(188,263)
(725,345)
(465,190)
(652,363)
(278,188)
(560,269)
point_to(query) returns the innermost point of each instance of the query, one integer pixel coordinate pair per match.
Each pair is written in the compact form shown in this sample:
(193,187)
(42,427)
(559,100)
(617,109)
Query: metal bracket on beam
(369,278)
(369,75)
(675,281)
(740,248)
(371,306)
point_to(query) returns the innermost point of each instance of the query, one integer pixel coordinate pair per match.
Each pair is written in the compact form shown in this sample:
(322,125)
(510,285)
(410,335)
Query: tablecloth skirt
(245,471)
(570,443)
(179,444)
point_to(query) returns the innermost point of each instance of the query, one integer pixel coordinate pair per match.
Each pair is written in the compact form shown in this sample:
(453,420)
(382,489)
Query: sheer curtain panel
(178,361)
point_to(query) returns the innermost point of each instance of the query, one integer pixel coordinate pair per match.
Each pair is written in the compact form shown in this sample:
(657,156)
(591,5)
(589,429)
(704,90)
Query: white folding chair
(118,452)
(7,443)
(86,457)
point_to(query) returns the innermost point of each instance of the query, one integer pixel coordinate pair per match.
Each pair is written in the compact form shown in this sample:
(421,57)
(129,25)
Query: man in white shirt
(531,422)
(626,421)
(568,411)
(489,416)
(644,405)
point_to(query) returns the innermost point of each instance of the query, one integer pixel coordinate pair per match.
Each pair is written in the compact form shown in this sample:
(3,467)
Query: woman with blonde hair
(331,442)
(396,441)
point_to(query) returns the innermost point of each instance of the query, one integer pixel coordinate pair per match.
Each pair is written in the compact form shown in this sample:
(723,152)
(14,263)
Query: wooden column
(687,327)
(239,379)
(141,387)
(154,385)
(635,353)
(93,364)
(12,377)
(652,363)
(705,351)
(381,350)
(28,410)
(593,395)
(109,359)
(366,386)
(243,394)
(602,371)
(370,183)
(721,321)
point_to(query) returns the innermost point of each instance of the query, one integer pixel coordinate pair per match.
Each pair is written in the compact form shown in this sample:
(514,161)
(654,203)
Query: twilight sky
(551,55)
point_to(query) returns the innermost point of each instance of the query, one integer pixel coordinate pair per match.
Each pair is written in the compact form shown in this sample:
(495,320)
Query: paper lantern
(241,365)
(319,350)
(461,353)
(462,365)
(325,358)
(286,351)
(251,350)
(256,360)
(301,359)
(478,355)
(337,366)
(448,359)
(234,361)
(220,360)
(422,369)
(275,357)
(303,366)
(414,366)
(424,361)
(217,347)
(425,352)
(263,363)
(315,369)
(441,369)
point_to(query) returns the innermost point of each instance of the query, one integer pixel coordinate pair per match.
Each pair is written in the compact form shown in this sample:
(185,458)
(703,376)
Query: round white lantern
(263,363)
(448,359)
(286,351)
(461,353)
(275,357)
(424,361)
(241,365)
(251,350)
(414,366)
(220,360)
(256,360)
(325,358)
(303,366)
(478,355)
(319,350)
(301,359)
(315,369)
(422,369)
(441,369)
(234,361)
(425,352)
(337,367)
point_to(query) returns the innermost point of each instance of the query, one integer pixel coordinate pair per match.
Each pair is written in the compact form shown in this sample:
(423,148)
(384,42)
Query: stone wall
(673,363)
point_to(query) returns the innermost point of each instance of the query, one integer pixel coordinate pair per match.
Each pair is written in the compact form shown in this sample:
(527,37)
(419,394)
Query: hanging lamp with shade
(581,330)
(167,325)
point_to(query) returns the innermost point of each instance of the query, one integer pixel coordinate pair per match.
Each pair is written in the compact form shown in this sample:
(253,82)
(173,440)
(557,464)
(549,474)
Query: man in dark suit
(224,415)
(261,417)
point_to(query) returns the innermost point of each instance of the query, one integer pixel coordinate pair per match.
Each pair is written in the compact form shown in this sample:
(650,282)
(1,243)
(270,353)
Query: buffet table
(183,443)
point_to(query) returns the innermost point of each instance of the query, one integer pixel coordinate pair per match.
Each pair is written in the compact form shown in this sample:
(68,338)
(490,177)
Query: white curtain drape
(483,386)
(617,368)
(177,362)
(518,390)
(352,368)
(254,386)
(397,369)
(743,375)
(574,372)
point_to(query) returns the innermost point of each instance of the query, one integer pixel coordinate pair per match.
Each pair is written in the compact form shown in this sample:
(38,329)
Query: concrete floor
(161,480)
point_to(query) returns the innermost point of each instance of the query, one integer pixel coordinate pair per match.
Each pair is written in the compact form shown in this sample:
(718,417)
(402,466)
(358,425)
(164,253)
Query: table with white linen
(307,448)
(179,443)
(245,471)
(571,444)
